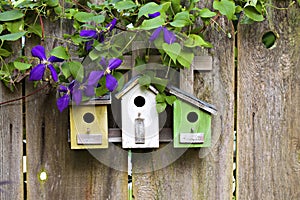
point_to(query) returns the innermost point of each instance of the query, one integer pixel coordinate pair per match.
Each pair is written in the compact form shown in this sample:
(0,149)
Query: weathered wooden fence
(268,129)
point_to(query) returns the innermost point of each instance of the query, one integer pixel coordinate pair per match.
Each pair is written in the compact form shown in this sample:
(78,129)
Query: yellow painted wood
(98,126)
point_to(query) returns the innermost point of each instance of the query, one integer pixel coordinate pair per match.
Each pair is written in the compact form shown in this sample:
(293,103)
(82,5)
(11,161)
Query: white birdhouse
(140,126)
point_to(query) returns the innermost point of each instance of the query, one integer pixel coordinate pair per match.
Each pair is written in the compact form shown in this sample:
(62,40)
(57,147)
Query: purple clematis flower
(38,71)
(97,35)
(80,89)
(75,92)
(111,82)
(63,101)
(111,25)
(169,36)
(153,15)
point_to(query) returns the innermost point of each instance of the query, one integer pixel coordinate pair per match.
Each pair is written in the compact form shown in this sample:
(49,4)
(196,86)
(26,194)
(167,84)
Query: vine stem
(24,97)
(42,27)
(131,40)
(82,6)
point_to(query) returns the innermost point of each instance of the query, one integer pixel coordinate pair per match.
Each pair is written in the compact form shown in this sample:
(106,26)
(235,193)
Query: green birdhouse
(192,120)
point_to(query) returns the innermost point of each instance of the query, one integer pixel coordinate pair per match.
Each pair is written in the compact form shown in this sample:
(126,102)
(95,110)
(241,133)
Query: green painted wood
(190,119)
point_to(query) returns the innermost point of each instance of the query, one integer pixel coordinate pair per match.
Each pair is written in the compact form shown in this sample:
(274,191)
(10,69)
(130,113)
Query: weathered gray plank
(11,140)
(204,173)
(72,174)
(11,145)
(269,108)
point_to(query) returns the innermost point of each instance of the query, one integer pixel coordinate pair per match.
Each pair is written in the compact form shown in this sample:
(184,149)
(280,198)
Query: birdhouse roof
(191,99)
(131,84)
(103,100)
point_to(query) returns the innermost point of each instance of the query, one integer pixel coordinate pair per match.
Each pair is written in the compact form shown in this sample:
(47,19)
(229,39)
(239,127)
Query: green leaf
(170,99)
(185,58)
(173,50)
(152,23)
(253,14)
(12,36)
(15,26)
(160,107)
(98,19)
(160,83)
(148,8)
(58,10)
(124,5)
(176,6)
(206,13)
(21,66)
(121,80)
(246,20)
(1,28)
(65,68)
(11,15)
(94,54)
(76,70)
(181,19)
(238,9)
(100,91)
(83,16)
(36,29)
(226,7)
(196,40)
(52,3)
(4,52)
(160,98)
(145,80)
(60,52)
(165,6)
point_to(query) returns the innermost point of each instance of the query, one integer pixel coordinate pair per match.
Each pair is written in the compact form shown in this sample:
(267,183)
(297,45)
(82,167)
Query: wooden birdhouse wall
(139,103)
(88,127)
(191,120)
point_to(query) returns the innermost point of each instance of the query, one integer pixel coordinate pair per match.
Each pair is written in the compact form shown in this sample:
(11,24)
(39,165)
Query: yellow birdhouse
(89,125)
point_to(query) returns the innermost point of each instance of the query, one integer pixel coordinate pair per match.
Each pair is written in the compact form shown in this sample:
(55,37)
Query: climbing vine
(169,26)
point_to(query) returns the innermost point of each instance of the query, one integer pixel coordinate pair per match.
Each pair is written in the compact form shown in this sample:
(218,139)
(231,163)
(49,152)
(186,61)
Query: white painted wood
(130,112)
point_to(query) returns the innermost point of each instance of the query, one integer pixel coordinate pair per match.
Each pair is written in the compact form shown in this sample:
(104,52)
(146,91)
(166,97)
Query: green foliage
(149,8)
(23,18)
(60,52)
(173,50)
(152,23)
(11,15)
(12,36)
(225,7)
(181,19)
(76,70)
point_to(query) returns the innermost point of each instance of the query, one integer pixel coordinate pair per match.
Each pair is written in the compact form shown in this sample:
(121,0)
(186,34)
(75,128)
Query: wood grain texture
(11,145)
(71,174)
(269,108)
(11,138)
(200,173)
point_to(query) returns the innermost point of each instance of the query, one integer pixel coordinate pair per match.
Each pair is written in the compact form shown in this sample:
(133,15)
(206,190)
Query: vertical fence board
(200,173)
(11,139)
(11,145)
(269,108)
(71,174)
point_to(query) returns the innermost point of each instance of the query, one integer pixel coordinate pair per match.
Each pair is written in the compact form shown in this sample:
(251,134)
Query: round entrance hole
(139,101)
(192,117)
(269,39)
(88,117)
